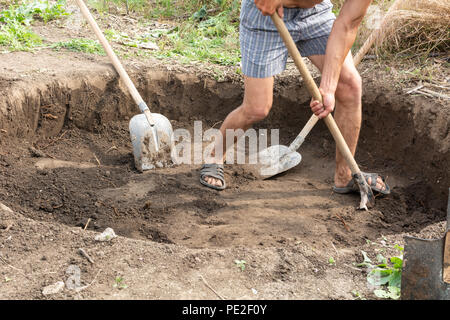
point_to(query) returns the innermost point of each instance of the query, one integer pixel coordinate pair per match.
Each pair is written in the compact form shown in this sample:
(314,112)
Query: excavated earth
(67,173)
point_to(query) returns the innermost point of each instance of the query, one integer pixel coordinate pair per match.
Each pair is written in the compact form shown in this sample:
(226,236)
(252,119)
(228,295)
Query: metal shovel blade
(367,196)
(426,267)
(277,159)
(151,151)
(422,271)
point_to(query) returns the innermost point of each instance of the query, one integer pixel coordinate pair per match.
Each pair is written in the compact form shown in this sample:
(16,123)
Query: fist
(321,110)
(268,7)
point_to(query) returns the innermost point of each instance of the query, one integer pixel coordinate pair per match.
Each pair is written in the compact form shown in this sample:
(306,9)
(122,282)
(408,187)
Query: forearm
(340,41)
(339,44)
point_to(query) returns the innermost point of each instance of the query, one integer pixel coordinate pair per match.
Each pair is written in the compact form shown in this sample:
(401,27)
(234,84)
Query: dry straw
(416,27)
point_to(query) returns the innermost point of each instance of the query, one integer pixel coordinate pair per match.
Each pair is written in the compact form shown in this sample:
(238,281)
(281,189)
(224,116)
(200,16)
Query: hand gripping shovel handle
(366,192)
(376,35)
(120,70)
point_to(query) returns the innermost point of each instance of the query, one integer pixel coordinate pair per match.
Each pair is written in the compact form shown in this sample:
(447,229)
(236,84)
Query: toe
(217,182)
(380,184)
(213,181)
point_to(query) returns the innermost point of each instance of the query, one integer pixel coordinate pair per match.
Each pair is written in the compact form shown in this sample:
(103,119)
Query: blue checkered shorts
(264,53)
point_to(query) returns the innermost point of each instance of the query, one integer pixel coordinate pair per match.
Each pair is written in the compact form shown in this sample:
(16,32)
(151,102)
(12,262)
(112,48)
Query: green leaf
(200,14)
(240,264)
(397,262)
(391,293)
(378,277)
(380,293)
(396,279)
(394,292)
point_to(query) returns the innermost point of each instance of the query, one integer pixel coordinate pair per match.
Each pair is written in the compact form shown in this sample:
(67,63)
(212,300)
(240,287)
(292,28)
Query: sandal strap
(373,177)
(373,184)
(213,170)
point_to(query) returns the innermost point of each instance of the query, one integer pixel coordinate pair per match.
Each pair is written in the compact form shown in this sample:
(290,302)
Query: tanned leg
(347,115)
(258,97)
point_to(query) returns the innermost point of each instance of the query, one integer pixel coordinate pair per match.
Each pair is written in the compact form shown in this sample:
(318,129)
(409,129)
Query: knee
(349,87)
(256,110)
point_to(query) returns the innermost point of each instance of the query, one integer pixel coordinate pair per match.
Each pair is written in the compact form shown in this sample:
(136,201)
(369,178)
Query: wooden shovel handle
(376,35)
(314,91)
(115,61)
(295,54)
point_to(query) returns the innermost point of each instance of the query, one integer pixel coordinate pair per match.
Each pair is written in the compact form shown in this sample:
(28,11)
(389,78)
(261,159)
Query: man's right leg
(258,98)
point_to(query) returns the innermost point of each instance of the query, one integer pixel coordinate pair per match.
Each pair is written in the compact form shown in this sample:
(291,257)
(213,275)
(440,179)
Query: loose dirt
(171,229)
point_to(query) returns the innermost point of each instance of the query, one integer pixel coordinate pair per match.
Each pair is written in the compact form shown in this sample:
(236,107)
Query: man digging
(326,41)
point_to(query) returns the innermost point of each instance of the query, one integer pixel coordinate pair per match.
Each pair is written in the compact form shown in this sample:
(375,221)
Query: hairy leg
(258,98)
(347,115)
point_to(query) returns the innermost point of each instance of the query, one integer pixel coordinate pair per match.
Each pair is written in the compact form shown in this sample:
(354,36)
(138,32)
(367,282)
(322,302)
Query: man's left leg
(348,116)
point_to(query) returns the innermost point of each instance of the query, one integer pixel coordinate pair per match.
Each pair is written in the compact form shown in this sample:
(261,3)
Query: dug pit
(66,157)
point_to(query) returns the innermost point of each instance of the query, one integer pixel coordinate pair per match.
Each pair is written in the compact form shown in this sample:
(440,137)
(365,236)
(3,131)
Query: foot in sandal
(211,175)
(375,181)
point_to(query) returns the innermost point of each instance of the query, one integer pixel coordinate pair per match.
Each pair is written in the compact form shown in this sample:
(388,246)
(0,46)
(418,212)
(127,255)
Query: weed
(164,8)
(357,295)
(145,41)
(240,264)
(214,39)
(209,31)
(18,37)
(386,278)
(15,31)
(119,283)
(28,11)
(80,45)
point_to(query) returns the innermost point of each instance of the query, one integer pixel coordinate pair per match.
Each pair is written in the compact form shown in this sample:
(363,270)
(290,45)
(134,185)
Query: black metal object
(423,268)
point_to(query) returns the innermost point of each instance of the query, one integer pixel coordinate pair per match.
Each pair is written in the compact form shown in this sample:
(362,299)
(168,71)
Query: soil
(67,173)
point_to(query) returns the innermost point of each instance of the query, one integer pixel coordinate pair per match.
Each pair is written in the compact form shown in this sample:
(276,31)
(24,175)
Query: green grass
(157,9)
(15,21)
(205,30)
(17,37)
(80,45)
(28,11)
(203,38)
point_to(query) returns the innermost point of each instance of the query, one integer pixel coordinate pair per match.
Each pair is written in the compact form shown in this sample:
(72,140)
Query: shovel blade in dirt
(144,139)
(426,271)
(151,133)
(277,159)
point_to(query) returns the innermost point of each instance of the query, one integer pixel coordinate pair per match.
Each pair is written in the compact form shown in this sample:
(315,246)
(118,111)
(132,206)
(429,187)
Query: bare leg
(258,97)
(347,115)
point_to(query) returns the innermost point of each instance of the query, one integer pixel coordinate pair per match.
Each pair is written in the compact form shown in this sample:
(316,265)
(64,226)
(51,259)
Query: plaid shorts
(264,53)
